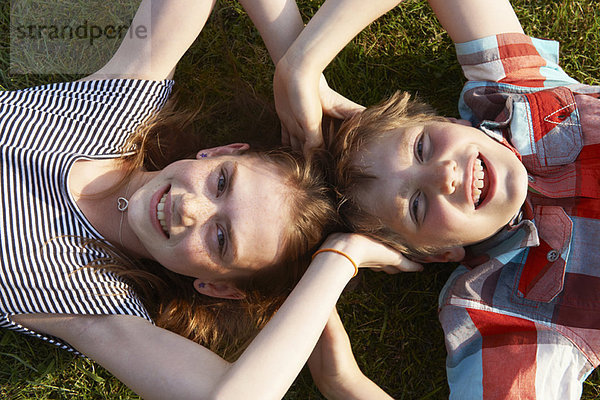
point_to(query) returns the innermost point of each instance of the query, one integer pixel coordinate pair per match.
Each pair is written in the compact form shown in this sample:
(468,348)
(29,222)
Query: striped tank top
(43,131)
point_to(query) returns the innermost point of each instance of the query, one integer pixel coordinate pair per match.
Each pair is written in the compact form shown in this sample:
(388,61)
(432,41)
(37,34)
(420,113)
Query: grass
(392,320)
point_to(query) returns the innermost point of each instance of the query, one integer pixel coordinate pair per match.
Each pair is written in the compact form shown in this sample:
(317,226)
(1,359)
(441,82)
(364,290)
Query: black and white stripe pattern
(43,131)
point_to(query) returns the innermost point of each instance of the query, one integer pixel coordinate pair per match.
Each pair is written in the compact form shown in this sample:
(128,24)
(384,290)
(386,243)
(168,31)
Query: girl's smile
(214,217)
(161,212)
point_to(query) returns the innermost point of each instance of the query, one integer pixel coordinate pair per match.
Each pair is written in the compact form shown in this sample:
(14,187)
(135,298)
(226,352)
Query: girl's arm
(336,23)
(297,74)
(159,35)
(159,364)
(170,27)
(279,23)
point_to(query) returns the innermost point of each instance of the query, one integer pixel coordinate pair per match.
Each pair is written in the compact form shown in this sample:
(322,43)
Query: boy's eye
(220,239)
(221,182)
(419,147)
(414,207)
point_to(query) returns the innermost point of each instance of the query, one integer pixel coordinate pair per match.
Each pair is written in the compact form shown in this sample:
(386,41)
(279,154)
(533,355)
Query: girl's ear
(230,149)
(451,254)
(222,290)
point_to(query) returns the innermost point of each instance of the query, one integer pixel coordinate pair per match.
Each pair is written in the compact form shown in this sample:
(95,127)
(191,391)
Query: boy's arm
(334,368)
(159,35)
(467,20)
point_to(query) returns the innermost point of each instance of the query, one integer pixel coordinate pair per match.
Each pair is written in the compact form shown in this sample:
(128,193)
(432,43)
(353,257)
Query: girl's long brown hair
(223,325)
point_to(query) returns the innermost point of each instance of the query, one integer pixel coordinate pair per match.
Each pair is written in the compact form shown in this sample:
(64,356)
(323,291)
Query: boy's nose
(191,209)
(444,176)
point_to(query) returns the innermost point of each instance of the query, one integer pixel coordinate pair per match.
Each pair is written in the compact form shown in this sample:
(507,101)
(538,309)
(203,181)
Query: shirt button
(552,255)
(531,178)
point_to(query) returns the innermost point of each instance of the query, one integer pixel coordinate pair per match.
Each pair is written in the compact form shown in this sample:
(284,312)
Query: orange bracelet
(341,253)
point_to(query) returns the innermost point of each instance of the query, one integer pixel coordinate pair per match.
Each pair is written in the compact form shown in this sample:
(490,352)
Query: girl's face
(443,184)
(213,218)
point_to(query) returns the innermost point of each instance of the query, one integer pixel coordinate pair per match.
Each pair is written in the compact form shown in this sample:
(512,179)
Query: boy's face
(443,184)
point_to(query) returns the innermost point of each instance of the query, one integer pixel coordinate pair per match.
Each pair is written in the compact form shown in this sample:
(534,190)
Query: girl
(77,220)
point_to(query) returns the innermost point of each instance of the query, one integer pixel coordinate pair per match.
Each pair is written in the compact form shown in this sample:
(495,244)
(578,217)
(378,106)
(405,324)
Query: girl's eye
(220,239)
(221,183)
(419,147)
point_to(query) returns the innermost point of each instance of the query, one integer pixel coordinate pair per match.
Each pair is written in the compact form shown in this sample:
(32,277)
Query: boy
(515,196)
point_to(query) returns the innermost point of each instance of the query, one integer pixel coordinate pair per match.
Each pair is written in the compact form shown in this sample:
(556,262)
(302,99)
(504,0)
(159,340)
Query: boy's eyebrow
(401,203)
(404,214)
(393,197)
(407,152)
(405,148)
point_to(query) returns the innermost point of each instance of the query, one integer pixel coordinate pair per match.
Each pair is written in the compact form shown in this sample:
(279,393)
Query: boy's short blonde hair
(389,117)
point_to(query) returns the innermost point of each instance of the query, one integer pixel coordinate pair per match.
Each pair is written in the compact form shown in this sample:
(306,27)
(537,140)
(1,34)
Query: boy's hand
(334,369)
(368,253)
(332,363)
(301,98)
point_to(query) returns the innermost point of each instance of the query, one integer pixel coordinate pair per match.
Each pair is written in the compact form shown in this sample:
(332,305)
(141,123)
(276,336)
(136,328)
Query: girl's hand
(368,253)
(334,104)
(301,98)
(334,369)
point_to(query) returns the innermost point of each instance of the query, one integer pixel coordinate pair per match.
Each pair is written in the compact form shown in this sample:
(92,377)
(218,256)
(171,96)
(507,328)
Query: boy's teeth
(478,182)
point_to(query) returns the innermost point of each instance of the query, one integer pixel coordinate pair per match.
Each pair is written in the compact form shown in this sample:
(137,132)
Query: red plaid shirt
(522,316)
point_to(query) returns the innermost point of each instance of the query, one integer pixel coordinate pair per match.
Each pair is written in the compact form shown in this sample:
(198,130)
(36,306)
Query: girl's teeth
(160,215)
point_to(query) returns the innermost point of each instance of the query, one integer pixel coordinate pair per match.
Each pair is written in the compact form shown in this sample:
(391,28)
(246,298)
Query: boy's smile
(442,184)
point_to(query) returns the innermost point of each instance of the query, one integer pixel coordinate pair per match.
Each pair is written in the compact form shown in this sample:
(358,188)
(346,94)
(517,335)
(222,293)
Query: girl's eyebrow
(232,248)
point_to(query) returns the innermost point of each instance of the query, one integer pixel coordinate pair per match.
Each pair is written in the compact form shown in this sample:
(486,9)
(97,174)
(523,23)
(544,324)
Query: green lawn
(392,320)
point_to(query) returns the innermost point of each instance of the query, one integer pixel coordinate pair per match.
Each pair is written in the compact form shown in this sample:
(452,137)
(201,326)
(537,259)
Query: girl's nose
(191,209)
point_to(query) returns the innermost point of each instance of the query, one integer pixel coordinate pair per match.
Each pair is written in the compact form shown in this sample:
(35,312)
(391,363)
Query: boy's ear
(233,148)
(459,121)
(451,254)
(222,290)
